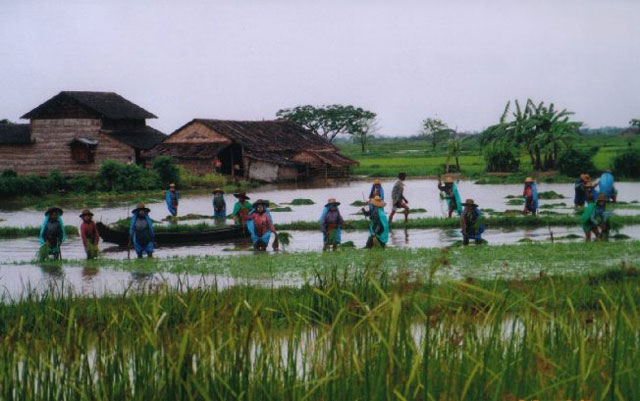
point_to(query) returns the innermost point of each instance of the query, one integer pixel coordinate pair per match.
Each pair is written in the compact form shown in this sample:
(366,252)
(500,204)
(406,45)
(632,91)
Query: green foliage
(500,156)
(8,173)
(573,162)
(627,164)
(82,183)
(436,131)
(550,195)
(167,170)
(635,123)
(113,176)
(301,202)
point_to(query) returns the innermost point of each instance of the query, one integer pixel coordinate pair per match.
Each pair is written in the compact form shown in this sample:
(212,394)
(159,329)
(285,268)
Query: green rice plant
(302,202)
(22,232)
(281,209)
(550,195)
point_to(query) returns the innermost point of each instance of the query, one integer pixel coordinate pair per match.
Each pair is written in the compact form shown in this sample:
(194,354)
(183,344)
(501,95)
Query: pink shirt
(261,223)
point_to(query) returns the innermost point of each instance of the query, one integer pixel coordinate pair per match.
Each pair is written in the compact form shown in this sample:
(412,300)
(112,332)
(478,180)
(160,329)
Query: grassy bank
(369,336)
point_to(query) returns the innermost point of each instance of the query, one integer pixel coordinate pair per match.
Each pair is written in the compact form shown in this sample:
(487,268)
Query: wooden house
(266,151)
(74,132)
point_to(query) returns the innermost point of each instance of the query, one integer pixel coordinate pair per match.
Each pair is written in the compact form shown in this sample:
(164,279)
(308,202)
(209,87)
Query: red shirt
(261,223)
(89,231)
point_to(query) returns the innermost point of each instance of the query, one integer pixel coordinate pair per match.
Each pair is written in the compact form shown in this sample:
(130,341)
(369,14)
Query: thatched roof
(15,134)
(102,104)
(143,138)
(202,151)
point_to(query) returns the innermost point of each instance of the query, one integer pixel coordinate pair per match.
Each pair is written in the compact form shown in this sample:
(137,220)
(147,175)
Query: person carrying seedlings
(89,234)
(471,223)
(52,233)
(172,200)
(378,223)
(579,190)
(331,223)
(606,186)
(219,205)
(399,201)
(241,208)
(530,195)
(450,192)
(260,226)
(141,233)
(590,192)
(595,219)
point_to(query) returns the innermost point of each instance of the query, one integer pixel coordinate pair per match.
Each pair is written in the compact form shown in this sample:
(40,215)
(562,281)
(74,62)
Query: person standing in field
(331,225)
(378,223)
(172,200)
(451,195)
(52,233)
(89,234)
(530,195)
(399,201)
(219,205)
(606,186)
(241,208)
(260,226)
(141,233)
(579,190)
(472,223)
(590,192)
(595,219)
(376,189)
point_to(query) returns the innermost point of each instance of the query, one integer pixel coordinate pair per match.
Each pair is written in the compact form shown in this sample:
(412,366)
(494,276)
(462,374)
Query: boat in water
(173,238)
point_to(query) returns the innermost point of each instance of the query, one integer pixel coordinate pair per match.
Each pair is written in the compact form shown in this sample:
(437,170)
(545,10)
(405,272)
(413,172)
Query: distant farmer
(172,200)
(217,165)
(399,201)
(241,208)
(141,233)
(219,205)
(331,223)
(595,219)
(376,189)
(89,234)
(606,186)
(472,223)
(260,226)
(378,224)
(52,233)
(530,195)
(450,193)
(590,192)
(579,190)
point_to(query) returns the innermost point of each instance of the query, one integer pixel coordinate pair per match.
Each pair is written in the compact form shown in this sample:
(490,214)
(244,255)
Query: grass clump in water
(302,202)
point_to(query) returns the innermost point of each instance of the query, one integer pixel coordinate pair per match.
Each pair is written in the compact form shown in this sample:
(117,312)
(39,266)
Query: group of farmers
(255,218)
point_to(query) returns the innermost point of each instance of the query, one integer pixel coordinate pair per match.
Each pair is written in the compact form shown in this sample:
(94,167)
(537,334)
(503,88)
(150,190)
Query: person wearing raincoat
(606,186)
(449,191)
(595,219)
(530,195)
(579,190)
(171,199)
(241,208)
(219,205)
(471,223)
(331,225)
(590,192)
(52,233)
(141,233)
(378,223)
(260,226)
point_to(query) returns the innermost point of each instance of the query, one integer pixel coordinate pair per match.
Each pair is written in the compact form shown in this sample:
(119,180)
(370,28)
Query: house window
(83,150)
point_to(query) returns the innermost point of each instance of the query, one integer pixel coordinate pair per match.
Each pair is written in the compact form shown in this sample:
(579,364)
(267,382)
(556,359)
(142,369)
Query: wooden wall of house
(262,171)
(287,173)
(198,166)
(51,150)
(197,133)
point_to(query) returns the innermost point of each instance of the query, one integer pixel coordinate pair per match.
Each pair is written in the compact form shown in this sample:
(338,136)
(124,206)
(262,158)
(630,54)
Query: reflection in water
(53,271)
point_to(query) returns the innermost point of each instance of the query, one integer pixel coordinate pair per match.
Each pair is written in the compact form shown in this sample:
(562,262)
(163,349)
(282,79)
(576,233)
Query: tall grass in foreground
(368,336)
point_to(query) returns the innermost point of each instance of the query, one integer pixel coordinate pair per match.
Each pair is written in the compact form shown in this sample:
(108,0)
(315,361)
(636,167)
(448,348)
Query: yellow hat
(529,179)
(377,182)
(448,180)
(377,201)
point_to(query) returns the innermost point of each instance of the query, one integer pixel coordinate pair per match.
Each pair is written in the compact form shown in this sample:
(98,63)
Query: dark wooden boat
(168,238)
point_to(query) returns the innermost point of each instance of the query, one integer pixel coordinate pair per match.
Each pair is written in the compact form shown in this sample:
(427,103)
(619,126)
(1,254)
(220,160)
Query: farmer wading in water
(378,224)
(530,195)
(219,205)
(89,234)
(451,195)
(331,224)
(260,226)
(595,219)
(399,201)
(471,223)
(172,200)
(590,192)
(241,208)
(52,233)
(141,232)
(579,190)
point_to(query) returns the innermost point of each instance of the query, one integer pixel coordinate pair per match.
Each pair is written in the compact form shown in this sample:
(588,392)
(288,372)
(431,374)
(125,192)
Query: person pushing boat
(595,219)
(450,193)
(89,234)
(172,200)
(606,186)
(52,233)
(141,232)
(530,194)
(260,226)
(580,195)
(399,201)
(331,223)
(241,208)
(378,223)
(219,205)
(471,223)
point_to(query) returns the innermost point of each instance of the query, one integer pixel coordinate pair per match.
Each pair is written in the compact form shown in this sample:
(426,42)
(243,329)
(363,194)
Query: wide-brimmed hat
(602,198)
(469,202)
(54,209)
(377,182)
(141,206)
(261,202)
(241,195)
(377,201)
(172,185)
(217,190)
(86,212)
(332,201)
(448,180)
(528,179)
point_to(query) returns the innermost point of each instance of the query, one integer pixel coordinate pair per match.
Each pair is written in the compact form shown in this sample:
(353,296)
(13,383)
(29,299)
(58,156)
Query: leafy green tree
(329,121)
(167,169)
(436,131)
(635,123)
(453,150)
(366,130)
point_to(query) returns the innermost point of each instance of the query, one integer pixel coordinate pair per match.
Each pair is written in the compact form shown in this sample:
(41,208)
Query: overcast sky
(405,60)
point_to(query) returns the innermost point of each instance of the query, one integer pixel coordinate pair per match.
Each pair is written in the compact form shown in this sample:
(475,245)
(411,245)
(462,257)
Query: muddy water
(421,194)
